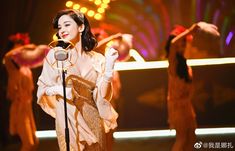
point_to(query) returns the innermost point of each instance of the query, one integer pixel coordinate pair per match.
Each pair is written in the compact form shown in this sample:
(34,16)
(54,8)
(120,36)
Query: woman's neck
(78,47)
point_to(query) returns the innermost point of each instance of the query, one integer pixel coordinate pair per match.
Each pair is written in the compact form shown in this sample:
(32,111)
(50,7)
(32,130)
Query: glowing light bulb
(69,4)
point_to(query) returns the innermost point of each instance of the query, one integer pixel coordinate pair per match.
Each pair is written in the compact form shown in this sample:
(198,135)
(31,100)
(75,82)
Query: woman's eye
(67,25)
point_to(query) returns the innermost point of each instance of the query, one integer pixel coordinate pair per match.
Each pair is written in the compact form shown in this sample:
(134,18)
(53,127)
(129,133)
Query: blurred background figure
(181,115)
(122,43)
(18,60)
(119,41)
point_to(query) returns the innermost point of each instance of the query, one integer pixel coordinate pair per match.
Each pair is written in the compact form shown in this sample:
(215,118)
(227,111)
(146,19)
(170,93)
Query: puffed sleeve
(46,79)
(104,106)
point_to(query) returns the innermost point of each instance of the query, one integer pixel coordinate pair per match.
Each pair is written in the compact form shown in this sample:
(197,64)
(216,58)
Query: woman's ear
(81,28)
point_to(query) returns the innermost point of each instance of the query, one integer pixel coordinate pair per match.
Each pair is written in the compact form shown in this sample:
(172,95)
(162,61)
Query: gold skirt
(83,99)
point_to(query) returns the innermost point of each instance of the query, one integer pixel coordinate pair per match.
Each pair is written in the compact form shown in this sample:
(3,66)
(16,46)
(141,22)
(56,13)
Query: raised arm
(111,56)
(183,35)
(203,27)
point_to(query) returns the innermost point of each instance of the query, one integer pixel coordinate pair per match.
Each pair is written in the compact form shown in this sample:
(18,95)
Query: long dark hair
(89,41)
(181,66)
(168,44)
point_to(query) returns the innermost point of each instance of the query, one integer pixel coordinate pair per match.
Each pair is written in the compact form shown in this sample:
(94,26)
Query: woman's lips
(64,36)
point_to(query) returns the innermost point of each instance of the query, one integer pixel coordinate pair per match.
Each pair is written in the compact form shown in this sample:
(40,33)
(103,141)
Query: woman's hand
(111,56)
(58,90)
(208,28)
(205,37)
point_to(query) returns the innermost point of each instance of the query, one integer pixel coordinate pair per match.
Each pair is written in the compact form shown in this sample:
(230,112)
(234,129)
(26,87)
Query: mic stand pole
(65,111)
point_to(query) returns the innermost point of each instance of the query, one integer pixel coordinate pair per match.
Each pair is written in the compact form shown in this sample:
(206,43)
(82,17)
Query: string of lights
(92,8)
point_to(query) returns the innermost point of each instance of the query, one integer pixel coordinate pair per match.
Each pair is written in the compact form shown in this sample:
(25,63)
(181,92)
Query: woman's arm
(110,58)
(188,31)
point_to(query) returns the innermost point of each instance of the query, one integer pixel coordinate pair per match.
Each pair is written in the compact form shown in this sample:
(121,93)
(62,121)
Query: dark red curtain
(16,16)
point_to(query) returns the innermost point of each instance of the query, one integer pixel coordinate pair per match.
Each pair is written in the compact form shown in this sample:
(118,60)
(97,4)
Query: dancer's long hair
(181,67)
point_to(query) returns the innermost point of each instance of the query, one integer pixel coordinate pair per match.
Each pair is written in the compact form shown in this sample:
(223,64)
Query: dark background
(143,101)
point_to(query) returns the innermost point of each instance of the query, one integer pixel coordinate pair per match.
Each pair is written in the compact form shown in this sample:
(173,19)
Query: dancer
(20,88)
(88,90)
(181,115)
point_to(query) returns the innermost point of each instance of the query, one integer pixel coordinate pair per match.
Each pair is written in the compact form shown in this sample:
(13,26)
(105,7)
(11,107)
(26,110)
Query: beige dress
(83,136)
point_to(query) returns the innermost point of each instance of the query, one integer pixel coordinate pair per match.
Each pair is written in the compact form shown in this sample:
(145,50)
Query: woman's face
(68,29)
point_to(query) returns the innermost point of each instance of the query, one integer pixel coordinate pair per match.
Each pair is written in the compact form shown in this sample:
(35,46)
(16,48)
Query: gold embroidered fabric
(83,99)
(82,91)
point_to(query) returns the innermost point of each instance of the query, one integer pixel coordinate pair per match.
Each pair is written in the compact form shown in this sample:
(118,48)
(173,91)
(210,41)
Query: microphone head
(61,54)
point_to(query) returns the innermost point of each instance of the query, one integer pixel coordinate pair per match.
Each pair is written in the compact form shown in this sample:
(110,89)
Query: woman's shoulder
(98,60)
(96,56)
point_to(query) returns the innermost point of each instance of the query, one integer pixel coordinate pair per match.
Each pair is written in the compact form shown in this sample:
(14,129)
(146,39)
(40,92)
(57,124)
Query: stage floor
(225,142)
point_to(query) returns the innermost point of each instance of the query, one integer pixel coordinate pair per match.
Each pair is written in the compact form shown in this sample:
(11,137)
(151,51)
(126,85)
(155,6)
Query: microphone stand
(65,110)
(61,55)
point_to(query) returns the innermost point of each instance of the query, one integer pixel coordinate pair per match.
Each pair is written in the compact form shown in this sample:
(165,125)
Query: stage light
(76,6)
(229,37)
(69,4)
(83,10)
(103,5)
(100,10)
(134,65)
(98,16)
(150,133)
(133,53)
(90,13)
(106,1)
(97,2)
(99,5)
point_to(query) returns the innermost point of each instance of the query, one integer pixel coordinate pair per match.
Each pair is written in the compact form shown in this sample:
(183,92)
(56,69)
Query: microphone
(60,53)
(62,50)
